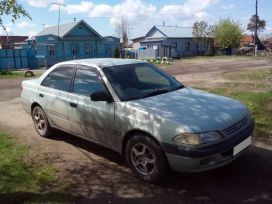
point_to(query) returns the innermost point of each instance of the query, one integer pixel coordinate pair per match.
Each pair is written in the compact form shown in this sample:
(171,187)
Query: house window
(75,50)
(51,50)
(174,44)
(187,46)
(88,50)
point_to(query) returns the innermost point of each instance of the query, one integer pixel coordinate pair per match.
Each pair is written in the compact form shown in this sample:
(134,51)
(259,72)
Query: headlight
(196,139)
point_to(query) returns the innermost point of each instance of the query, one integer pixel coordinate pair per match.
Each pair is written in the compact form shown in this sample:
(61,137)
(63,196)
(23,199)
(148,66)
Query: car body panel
(94,120)
(55,104)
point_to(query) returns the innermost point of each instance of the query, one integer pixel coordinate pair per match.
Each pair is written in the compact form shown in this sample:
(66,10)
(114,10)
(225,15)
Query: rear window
(59,79)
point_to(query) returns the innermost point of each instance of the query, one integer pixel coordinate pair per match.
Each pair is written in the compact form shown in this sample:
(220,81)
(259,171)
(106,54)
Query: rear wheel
(146,159)
(41,123)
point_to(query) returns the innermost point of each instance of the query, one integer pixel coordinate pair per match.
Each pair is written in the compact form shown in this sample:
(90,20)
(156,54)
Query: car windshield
(136,81)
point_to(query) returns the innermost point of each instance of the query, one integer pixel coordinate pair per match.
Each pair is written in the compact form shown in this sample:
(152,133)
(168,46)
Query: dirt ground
(98,175)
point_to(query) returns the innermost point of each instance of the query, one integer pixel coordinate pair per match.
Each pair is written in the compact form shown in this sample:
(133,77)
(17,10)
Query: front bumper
(204,158)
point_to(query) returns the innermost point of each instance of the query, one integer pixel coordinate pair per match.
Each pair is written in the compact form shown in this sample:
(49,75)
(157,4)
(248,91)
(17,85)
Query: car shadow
(246,180)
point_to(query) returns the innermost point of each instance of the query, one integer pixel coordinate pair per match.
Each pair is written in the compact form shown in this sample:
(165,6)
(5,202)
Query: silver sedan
(138,110)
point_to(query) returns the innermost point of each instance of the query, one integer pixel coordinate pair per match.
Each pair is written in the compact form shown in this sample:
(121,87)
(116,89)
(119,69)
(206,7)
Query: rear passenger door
(54,95)
(94,120)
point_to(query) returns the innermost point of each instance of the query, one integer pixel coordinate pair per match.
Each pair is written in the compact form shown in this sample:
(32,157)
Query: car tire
(41,123)
(146,159)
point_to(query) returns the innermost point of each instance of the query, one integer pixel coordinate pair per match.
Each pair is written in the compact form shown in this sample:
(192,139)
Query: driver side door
(94,120)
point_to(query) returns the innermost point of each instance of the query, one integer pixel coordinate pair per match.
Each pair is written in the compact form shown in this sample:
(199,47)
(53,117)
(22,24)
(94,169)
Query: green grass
(7,74)
(11,74)
(227,57)
(253,88)
(21,178)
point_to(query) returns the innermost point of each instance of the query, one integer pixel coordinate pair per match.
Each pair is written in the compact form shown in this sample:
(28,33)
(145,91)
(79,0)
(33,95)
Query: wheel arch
(132,133)
(33,105)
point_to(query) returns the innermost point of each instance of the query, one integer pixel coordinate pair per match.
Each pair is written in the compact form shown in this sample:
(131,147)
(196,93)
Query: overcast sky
(142,14)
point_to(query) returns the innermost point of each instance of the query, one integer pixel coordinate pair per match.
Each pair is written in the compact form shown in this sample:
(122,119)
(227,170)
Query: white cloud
(25,25)
(134,9)
(83,7)
(101,10)
(188,8)
(143,15)
(42,3)
(8,30)
(187,13)
(31,33)
(227,7)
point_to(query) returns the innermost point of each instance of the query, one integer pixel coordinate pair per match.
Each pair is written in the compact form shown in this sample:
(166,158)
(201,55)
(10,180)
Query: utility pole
(59,4)
(256,28)
(43,26)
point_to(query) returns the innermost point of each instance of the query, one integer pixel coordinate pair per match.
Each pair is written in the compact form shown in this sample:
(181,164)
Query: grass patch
(253,88)
(257,75)
(21,179)
(11,74)
(227,57)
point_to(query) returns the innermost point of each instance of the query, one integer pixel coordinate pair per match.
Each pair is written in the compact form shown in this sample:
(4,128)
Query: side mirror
(101,96)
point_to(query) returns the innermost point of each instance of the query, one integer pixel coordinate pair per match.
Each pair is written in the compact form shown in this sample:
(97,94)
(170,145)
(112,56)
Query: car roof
(102,62)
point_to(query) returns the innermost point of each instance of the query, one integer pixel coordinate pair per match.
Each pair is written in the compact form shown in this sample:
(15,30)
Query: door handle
(41,95)
(74,105)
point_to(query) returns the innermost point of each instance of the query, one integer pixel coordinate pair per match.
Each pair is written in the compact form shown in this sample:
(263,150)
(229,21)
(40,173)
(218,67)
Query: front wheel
(41,123)
(146,159)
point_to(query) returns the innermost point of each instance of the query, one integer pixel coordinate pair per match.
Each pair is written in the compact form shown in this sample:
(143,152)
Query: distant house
(136,42)
(170,41)
(247,41)
(74,40)
(267,43)
(11,41)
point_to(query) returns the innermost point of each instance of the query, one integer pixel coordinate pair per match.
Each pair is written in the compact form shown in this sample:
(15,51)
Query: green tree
(12,8)
(202,31)
(228,34)
(203,34)
(252,23)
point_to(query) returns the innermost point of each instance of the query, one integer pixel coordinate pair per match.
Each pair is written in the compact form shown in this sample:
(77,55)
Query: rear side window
(87,82)
(59,79)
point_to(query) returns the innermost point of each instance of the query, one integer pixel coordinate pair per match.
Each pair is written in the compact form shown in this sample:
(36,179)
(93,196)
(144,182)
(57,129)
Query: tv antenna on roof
(59,4)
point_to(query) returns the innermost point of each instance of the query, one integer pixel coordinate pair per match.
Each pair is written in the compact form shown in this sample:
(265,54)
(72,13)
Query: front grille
(235,128)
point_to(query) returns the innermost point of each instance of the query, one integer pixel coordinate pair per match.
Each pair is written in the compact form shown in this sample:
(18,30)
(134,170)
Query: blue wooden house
(76,40)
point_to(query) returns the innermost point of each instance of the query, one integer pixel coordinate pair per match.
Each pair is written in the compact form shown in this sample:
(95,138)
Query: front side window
(87,82)
(61,78)
(135,81)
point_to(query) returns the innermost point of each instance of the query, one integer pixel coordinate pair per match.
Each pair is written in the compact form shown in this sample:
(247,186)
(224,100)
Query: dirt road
(98,175)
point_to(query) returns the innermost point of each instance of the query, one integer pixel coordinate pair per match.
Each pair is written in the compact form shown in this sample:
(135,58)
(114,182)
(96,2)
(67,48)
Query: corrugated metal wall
(13,59)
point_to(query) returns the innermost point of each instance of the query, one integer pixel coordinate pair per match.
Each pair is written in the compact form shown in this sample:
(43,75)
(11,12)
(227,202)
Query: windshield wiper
(177,88)
(157,92)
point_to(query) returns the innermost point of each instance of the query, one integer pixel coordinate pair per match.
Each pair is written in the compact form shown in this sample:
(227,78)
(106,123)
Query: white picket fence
(145,54)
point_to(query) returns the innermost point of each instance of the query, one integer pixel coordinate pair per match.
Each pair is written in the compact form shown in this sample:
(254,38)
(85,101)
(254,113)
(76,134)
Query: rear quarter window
(60,78)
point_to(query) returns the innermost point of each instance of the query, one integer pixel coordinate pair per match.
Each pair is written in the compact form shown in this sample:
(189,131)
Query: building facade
(170,41)
(76,40)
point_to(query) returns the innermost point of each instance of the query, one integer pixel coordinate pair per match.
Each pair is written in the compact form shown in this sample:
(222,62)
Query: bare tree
(122,28)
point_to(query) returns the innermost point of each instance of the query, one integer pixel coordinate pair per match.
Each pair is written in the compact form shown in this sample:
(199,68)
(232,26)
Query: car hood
(194,110)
